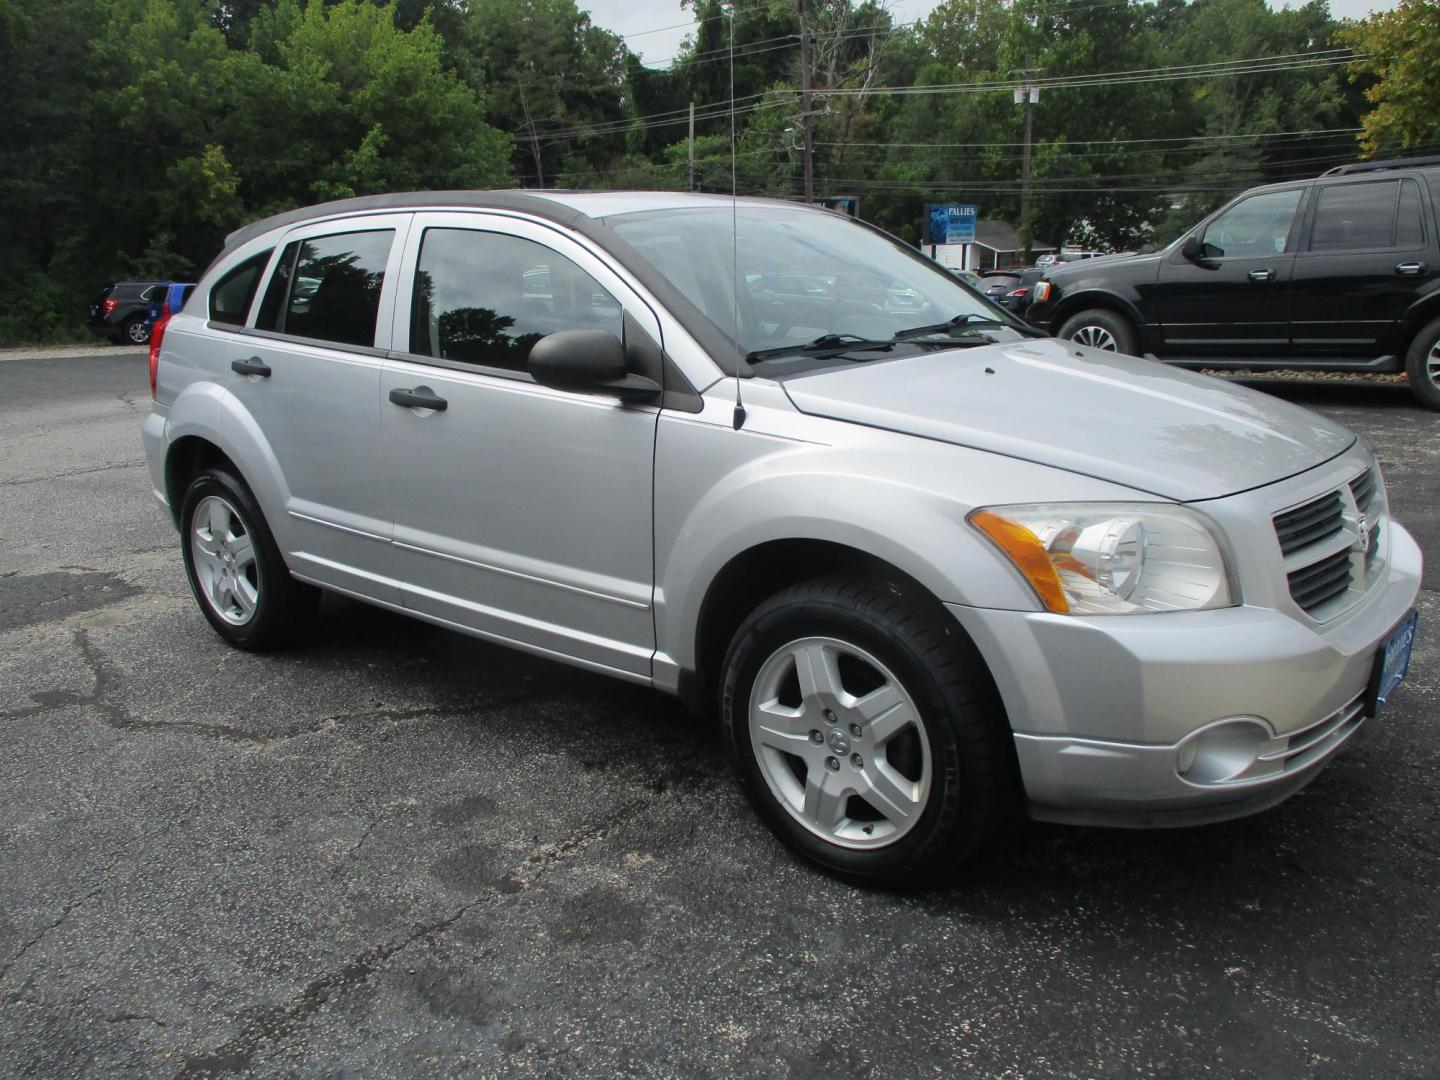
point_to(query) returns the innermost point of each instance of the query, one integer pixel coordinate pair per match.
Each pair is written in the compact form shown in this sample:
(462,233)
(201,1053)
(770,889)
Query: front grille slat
(1310,523)
(1363,488)
(1325,580)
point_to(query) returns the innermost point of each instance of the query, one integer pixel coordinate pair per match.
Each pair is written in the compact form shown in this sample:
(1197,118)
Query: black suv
(1338,273)
(122,311)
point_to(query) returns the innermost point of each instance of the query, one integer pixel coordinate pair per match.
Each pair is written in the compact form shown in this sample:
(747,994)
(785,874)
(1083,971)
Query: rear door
(521,511)
(1232,301)
(308,369)
(1365,257)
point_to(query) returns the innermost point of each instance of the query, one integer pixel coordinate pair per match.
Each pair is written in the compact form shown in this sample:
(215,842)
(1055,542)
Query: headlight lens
(1111,558)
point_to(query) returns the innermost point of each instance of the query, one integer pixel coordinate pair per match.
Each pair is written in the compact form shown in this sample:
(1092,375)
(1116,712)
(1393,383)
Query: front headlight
(1111,558)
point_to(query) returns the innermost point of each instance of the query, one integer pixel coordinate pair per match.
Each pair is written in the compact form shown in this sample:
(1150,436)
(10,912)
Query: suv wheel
(1422,366)
(135,332)
(1101,329)
(865,731)
(236,570)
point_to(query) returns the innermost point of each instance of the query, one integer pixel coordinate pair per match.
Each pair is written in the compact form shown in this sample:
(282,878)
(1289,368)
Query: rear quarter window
(230,296)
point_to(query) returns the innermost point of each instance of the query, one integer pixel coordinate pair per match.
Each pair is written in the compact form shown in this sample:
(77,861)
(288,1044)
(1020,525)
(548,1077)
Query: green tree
(1402,55)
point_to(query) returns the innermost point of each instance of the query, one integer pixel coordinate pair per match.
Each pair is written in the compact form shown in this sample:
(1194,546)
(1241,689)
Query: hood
(1079,265)
(1158,429)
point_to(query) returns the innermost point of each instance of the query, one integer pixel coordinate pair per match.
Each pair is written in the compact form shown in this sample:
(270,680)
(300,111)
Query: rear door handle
(253,366)
(1262,275)
(421,397)
(1410,268)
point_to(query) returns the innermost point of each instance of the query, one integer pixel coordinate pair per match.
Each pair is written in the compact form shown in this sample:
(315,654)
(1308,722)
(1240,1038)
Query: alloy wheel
(840,742)
(138,332)
(224,557)
(1432,364)
(1096,337)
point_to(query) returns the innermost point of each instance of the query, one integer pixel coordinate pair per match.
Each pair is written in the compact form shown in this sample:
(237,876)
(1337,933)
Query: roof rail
(1380,166)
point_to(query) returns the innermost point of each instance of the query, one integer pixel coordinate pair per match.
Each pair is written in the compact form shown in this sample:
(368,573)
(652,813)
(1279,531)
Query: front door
(521,511)
(1230,302)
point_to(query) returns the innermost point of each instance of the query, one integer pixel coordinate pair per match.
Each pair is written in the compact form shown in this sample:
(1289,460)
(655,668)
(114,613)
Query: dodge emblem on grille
(1363,541)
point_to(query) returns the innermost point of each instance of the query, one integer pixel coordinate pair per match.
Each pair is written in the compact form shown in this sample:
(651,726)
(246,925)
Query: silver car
(930,570)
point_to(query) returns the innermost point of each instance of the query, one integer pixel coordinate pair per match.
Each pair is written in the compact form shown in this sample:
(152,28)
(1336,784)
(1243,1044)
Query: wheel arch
(1095,298)
(1419,315)
(751,576)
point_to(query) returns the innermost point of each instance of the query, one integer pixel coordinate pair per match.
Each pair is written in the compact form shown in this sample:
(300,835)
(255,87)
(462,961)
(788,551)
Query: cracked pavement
(397,851)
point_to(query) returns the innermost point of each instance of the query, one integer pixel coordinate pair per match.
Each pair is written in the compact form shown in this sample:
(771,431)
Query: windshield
(805,277)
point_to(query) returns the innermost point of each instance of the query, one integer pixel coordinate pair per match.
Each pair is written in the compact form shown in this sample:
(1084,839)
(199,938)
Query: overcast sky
(631,17)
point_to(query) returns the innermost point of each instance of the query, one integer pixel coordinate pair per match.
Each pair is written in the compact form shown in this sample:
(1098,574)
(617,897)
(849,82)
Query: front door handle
(1262,275)
(253,366)
(1410,269)
(421,397)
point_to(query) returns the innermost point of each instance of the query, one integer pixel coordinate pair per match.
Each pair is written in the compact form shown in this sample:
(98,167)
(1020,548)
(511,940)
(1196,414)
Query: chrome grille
(1321,581)
(1309,524)
(1331,544)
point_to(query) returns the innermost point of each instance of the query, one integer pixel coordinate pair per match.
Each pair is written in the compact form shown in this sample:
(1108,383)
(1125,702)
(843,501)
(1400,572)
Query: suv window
(335,294)
(486,298)
(1357,217)
(1410,221)
(230,296)
(1259,225)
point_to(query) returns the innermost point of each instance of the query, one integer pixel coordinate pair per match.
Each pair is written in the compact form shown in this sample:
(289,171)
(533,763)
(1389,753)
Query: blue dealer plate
(1391,662)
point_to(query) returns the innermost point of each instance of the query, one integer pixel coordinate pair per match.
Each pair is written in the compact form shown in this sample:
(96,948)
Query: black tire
(135,332)
(1422,371)
(284,609)
(1102,328)
(974,788)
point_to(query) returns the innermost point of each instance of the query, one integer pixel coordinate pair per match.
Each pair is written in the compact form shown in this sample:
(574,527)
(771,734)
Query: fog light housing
(1223,751)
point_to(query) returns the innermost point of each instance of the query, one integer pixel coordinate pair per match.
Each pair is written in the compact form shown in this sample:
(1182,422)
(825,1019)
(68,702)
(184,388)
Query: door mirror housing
(1191,248)
(587,362)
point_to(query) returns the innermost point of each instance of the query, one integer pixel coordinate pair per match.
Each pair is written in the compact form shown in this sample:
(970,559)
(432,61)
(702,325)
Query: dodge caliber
(929,569)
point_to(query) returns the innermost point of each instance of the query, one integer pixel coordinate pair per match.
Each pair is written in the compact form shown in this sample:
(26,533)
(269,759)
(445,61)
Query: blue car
(168,300)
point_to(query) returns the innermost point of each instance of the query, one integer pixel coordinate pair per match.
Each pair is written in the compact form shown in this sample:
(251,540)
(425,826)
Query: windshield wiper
(950,326)
(822,344)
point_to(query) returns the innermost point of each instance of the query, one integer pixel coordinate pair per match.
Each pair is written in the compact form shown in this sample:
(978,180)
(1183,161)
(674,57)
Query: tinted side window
(486,298)
(1355,217)
(1410,223)
(335,295)
(1258,225)
(272,307)
(230,296)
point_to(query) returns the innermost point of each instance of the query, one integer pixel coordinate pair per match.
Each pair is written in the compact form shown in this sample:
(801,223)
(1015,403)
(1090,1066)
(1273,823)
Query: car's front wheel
(866,731)
(236,570)
(1422,366)
(1100,329)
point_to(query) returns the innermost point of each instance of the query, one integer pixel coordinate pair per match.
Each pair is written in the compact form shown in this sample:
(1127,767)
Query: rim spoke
(782,728)
(818,669)
(218,519)
(825,797)
(245,595)
(243,551)
(890,793)
(886,712)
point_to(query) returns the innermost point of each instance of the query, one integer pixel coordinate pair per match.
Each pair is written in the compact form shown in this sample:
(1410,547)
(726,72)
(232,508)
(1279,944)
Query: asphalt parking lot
(398,851)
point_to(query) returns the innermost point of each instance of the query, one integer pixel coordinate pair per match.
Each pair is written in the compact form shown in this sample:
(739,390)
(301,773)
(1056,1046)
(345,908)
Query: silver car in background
(929,569)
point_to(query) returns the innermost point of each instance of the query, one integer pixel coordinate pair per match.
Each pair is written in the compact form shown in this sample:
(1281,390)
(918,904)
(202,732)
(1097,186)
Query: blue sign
(952,223)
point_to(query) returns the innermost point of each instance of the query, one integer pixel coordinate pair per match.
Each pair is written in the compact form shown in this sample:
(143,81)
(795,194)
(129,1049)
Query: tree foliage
(142,131)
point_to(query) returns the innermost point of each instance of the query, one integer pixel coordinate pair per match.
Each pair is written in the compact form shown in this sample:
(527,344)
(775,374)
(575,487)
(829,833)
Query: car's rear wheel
(136,332)
(866,731)
(1422,366)
(1100,329)
(236,571)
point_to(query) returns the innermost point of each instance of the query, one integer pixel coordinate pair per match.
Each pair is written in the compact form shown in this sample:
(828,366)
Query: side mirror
(587,362)
(1191,248)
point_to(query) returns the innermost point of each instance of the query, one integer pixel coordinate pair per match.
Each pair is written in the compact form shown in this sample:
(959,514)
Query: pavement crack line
(43,933)
(21,481)
(278,1022)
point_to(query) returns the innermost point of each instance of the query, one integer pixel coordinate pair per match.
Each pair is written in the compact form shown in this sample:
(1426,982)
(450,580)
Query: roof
(563,207)
(999,236)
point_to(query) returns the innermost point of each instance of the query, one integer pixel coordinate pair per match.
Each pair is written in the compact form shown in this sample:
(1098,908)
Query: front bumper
(1102,707)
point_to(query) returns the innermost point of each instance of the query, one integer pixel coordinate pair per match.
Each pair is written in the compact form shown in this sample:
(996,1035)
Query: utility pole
(1027,94)
(806,118)
(690,171)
